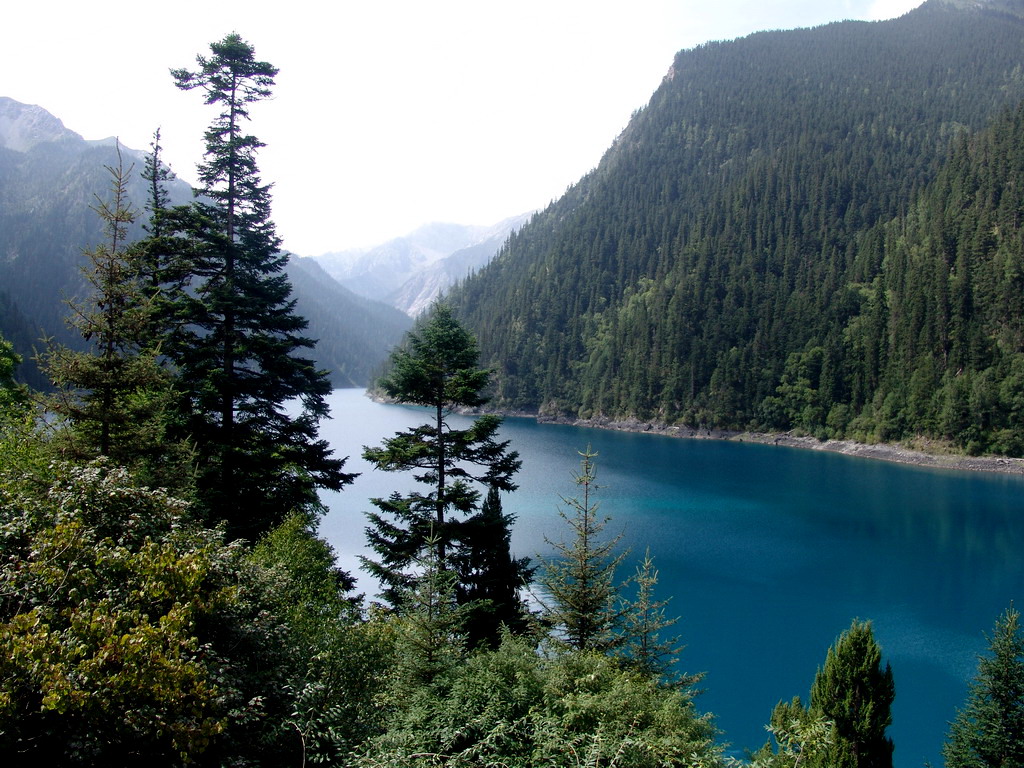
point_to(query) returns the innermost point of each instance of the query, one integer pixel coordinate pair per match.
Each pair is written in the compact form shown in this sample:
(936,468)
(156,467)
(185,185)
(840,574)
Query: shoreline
(891,452)
(894,453)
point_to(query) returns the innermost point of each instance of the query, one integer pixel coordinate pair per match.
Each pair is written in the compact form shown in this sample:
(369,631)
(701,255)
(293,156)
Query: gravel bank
(880,451)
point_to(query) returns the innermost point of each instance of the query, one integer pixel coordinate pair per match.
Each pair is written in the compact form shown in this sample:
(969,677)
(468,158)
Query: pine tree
(856,694)
(239,339)
(580,594)
(438,369)
(989,730)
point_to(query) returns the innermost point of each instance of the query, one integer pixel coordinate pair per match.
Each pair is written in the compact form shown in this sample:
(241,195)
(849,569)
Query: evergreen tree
(856,694)
(802,738)
(580,593)
(113,396)
(644,647)
(989,731)
(11,392)
(237,349)
(438,369)
(489,577)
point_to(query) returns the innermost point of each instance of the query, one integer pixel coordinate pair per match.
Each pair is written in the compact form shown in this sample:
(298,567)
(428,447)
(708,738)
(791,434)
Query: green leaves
(105,592)
(438,368)
(581,597)
(234,338)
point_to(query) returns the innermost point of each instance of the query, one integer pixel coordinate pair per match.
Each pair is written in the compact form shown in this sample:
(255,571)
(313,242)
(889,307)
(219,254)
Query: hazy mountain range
(410,272)
(49,179)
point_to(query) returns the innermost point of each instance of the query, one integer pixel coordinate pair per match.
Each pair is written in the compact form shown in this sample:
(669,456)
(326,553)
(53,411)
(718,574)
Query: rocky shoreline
(899,454)
(880,451)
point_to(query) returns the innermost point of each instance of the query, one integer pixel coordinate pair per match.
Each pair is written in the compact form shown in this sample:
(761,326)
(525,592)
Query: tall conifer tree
(238,351)
(490,578)
(853,691)
(582,598)
(112,396)
(989,731)
(438,369)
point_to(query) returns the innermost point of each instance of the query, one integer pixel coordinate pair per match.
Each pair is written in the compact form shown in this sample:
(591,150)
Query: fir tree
(989,731)
(856,694)
(438,369)
(644,621)
(237,350)
(113,396)
(489,577)
(580,594)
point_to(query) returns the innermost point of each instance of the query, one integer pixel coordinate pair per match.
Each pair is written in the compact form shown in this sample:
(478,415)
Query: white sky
(387,114)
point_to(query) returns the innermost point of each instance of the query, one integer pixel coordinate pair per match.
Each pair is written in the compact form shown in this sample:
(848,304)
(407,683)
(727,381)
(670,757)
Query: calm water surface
(768,553)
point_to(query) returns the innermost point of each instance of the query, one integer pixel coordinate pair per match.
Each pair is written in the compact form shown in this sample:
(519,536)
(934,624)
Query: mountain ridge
(410,272)
(723,252)
(50,177)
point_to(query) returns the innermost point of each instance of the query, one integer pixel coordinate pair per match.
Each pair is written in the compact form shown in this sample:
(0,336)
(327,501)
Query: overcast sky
(387,114)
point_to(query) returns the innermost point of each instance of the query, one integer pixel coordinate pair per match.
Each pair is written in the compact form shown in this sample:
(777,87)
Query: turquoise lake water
(767,552)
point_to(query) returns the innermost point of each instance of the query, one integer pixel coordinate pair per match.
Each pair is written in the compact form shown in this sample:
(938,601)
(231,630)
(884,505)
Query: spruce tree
(438,369)
(580,597)
(112,397)
(989,731)
(645,647)
(856,694)
(239,343)
(489,577)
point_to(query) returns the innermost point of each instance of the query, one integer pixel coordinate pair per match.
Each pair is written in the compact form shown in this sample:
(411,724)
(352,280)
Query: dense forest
(811,229)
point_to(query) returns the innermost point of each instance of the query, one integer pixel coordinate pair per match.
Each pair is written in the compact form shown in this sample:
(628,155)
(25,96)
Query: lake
(768,554)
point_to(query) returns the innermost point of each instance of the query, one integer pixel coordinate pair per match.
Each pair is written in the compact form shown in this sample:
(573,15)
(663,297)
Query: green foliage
(834,257)
(112,398)
(438,369)
(439,366)
(853,691)
(580,597)
(236,341)
(644,647)
(989,730)
(489,578)
(12,394)
(342,663)
(850,709)
(429,637)
(802,738)
(314,593)
(127,633)
(511,707)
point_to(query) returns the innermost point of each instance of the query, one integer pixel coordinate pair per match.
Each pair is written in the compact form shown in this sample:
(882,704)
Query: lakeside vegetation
(165,597)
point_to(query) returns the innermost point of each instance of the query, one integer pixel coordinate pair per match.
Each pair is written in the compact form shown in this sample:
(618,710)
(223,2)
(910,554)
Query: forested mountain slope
(366,330)
(724,258)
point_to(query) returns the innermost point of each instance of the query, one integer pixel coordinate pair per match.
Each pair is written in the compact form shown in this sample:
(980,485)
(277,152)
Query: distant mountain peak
(23,126)
(410,272)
